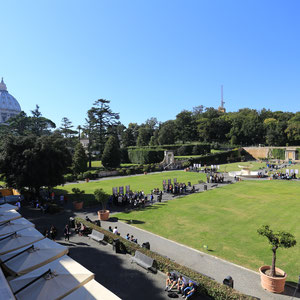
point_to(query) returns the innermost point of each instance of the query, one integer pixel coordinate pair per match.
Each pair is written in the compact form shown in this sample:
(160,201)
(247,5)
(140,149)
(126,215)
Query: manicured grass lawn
(235,166)
(137,183)
(98,164)
(187,156)
(226,219)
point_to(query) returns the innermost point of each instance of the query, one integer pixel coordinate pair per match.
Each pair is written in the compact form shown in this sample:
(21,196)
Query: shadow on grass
(132,221)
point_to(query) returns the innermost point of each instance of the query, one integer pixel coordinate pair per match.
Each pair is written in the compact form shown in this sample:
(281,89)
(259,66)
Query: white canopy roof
(20,239)
(65,276)
(5,291)
(92,290)
(14,225)
(42,252)
(9,215)
(7,206)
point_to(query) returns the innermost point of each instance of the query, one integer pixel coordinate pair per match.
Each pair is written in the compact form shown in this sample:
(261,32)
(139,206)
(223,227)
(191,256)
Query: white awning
(6,206)
(9,215)
(14,225)
(19,239)
(92,290)
(32,256)
(5,291)
(61,277)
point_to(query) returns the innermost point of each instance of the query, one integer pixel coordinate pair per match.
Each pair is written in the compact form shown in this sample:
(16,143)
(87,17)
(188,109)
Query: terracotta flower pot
(78,205)
(272,284)
(103,215)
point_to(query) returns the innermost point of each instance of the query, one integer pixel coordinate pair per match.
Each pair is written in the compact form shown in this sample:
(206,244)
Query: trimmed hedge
(180,149)
(206,287)
(145,156)
(278,153)
(221,157)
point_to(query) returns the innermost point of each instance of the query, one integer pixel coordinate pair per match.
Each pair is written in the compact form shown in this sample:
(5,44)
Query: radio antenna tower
(222,108)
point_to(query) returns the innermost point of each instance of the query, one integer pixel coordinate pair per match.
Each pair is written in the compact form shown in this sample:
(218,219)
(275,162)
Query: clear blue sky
(150,58)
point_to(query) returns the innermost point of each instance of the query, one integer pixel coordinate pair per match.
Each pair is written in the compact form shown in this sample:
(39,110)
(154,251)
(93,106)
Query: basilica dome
(9,106)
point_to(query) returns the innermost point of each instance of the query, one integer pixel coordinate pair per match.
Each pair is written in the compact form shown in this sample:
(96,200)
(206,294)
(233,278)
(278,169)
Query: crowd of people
(286,176)
(214,177)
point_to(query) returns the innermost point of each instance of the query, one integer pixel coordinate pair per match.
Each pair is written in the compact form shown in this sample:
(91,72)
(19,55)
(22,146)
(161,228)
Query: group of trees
(34,153)
(245,127)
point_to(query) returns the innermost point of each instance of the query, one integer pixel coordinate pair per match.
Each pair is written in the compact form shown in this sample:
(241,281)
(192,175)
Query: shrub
(87,174)
(278,153)
(69,177)
(145,156)
(80,177)
(101,197)
(128,172)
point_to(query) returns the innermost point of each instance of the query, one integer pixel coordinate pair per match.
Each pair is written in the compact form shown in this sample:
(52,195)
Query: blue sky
(150,58)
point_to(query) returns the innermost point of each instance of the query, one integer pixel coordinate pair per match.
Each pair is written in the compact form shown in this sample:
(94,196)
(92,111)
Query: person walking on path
(67,233)
(53,232)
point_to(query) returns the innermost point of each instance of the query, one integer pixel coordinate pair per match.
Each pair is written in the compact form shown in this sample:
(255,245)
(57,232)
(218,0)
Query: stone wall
(262,152)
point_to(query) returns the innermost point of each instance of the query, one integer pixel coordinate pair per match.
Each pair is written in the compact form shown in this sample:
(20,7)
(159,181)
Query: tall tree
(130,135)
(39,124)
(186,127)
(167,133)
(19,124)
(32,162)
(79,161)
(111,157)
(103,117)
(66,128)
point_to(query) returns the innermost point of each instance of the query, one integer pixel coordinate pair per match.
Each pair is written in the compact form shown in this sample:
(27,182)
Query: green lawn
(226,220)
(235,166)
(143,182)
(98,164)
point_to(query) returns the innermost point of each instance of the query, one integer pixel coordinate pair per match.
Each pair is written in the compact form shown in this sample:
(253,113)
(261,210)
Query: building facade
(9,106)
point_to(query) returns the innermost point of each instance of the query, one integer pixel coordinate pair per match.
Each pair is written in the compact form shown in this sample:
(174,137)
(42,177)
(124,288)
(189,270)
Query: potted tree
(102,197)
(77,203)
(272,278)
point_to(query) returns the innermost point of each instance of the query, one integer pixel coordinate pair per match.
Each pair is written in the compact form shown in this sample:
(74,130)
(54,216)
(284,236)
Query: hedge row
(278,153)
(222,157)
(145,156)
(207,286)
(180,149)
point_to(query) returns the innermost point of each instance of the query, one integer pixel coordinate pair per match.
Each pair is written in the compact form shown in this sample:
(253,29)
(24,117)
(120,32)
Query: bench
(144,261)
(96,235)
(187,279)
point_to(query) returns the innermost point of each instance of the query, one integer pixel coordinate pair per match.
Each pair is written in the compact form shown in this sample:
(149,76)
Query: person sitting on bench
(181,283)
(171,278)
(189,291)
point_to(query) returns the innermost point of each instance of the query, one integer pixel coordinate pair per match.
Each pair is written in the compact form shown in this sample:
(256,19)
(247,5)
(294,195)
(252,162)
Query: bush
(145,156)
(80,177)
(69,178)
(278,153)
(207,286)
(128,172)
(221,157)
(101,197)
(87,174)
